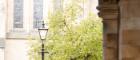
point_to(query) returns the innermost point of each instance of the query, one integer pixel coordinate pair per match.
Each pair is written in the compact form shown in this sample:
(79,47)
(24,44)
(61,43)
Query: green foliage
(71,40)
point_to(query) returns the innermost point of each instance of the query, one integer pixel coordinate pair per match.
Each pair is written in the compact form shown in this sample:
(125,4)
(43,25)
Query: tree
(71,40)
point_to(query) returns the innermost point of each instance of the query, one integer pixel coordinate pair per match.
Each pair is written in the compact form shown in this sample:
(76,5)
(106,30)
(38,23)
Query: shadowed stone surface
(110,46)
(109,11)
(123,18)
(131,45)
(130,30)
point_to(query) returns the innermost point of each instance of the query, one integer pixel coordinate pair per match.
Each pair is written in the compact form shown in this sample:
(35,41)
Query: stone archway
(110,12)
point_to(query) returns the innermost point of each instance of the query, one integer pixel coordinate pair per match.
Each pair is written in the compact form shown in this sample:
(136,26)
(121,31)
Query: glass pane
(43,34)
(38,13)
(18,13)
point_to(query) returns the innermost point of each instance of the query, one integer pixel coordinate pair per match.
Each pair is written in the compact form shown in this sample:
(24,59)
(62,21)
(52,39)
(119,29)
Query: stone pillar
(2,27)
(130,30)
(109,11)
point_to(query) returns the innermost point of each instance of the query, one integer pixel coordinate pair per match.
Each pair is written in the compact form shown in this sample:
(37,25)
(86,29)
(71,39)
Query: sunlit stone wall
(2,27)
(16,49)
(1,54)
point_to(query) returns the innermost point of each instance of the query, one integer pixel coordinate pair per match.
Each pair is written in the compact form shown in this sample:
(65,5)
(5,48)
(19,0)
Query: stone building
(20,19)
(120,19)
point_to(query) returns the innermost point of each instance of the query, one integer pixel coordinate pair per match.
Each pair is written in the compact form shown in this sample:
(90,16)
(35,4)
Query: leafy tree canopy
(71,37)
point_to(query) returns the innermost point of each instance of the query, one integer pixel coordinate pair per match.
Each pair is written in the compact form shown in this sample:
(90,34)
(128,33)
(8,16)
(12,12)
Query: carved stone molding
(108,9)
(108,1)
(108,12)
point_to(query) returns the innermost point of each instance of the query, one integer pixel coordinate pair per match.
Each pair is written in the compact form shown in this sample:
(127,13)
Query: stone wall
(130,30)
(1,54)
(17,49)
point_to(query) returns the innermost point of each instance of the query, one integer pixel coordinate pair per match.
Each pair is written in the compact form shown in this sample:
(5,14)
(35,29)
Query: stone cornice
(108,9)
(23,35)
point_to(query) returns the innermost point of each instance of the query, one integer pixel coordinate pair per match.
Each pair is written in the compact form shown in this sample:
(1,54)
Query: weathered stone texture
(131,45)
(109,12)
(130,30)
(126,23)
(130,15)
(110,47)
(110,26)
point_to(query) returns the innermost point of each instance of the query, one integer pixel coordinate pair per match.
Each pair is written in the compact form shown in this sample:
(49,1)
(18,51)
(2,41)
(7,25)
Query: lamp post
(43,33)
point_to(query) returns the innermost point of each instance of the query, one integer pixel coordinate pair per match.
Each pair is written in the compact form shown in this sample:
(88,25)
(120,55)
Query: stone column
(109,11)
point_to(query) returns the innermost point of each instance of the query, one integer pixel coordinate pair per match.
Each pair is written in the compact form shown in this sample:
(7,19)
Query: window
(38,13)
(1,43)
(18,14)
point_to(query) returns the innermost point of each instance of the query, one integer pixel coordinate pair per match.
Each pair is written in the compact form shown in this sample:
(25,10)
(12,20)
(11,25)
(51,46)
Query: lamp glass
(43,33)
